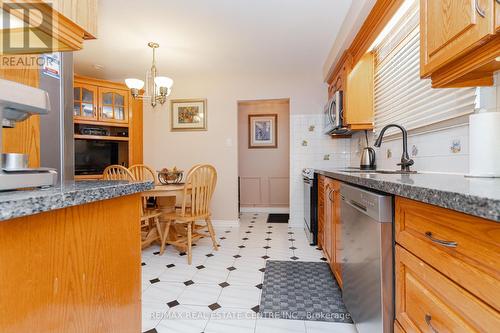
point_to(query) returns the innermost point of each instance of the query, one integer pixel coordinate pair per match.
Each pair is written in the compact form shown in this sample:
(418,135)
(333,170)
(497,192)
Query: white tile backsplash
(445,150)
(311,155)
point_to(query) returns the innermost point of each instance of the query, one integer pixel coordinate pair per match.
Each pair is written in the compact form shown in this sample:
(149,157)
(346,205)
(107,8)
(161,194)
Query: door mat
(302,291)
(278,218)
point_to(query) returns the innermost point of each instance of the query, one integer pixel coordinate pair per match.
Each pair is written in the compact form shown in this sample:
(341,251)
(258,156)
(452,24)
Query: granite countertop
(474,196)
(28,202)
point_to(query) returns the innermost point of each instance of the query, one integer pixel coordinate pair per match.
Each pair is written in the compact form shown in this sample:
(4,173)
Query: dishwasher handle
(359,207)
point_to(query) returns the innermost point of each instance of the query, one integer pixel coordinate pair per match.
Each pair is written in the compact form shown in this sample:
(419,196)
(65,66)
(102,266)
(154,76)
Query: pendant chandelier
(157,88)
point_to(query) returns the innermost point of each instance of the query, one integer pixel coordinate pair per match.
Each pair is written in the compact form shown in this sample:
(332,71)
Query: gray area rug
(302,291)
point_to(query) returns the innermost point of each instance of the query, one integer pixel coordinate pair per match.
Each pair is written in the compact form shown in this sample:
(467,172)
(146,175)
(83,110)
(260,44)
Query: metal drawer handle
(428,234)
(428,319)
(479,10)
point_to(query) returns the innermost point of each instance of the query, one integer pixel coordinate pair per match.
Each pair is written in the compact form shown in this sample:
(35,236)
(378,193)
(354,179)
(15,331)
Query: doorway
(264,155)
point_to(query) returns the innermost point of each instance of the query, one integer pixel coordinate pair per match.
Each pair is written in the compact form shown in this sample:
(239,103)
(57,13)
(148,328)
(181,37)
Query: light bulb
(134,84)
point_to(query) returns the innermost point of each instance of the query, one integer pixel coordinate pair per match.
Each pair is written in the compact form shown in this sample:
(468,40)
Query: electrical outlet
(305,143)
(311,128)
(388,153)
(326,157)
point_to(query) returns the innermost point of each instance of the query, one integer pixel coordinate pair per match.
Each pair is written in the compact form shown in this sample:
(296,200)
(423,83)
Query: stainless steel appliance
(57,129)
(367,159)
(333,114)
(17,103)
(367,258)
(310,180)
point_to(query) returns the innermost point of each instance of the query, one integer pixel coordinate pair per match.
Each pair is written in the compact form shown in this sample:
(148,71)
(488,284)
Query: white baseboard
(271,210)
(226,223)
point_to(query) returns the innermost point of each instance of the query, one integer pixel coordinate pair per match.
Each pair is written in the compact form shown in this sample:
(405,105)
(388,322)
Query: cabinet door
(85,101)
(358,113)
(328,223)
(337,270)
(426,301)
(449,28)
(321,210)
(113,105)
(81,12)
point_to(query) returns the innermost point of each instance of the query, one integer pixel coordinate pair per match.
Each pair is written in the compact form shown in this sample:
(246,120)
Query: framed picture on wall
(188,114)
(263,131)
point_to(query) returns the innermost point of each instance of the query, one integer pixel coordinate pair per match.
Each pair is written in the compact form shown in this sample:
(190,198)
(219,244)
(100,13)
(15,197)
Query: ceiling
(212,37)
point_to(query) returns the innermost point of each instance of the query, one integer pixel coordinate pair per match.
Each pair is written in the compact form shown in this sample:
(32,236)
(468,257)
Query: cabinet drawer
(464,248)
(427,301)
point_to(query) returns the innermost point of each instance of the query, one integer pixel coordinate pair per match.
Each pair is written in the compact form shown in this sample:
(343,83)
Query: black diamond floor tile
(154,281)
(294,258)
(262,269)
(259,286)
(188,283)
(255,309)
(143,264)
(265,257)
(236,256)
(172,304)
(153,330)
(170,265)
(200,267)
(224,284)
(232,268)
(214,306)
(210,255)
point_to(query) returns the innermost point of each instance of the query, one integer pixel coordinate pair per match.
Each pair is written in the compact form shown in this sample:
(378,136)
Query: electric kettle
(367,159)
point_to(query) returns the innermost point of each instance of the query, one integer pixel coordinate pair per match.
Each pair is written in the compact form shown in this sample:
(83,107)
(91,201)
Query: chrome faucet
(406,161)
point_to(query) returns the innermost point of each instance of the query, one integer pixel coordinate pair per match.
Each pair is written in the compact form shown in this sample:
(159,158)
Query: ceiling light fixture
(157,87)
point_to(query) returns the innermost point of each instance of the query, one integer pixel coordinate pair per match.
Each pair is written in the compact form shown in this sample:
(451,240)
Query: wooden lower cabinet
(447,270)
(331,225)
(76,269)
(427,301)
(321,210)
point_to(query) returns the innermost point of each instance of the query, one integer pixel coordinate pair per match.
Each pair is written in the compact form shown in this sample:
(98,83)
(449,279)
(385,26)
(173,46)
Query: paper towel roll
(484,144)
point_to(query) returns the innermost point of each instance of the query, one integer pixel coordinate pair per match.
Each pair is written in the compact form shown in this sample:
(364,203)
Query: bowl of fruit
(170,176)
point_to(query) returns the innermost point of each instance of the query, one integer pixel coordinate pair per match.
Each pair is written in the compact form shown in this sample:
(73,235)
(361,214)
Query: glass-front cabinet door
(113,105)
(85,101)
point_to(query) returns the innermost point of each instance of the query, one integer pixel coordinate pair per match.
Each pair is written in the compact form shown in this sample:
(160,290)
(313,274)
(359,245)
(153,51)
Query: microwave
(333,114)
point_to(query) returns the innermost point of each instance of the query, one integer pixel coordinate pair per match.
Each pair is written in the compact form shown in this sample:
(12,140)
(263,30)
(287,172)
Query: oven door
(308,185)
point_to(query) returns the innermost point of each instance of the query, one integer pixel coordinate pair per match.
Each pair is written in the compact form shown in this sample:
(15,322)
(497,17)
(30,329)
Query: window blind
(401,96)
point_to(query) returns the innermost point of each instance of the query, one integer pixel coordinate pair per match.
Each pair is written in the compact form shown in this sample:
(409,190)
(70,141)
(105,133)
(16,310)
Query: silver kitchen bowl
(14,161)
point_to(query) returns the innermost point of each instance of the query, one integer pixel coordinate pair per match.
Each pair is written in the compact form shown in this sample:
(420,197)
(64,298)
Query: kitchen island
(70,258)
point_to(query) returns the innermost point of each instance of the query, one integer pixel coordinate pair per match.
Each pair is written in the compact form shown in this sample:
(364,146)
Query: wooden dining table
(166,198)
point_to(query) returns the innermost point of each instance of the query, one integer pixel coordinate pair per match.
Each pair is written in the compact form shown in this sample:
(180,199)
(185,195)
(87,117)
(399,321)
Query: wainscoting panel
(278,188)
(251,191)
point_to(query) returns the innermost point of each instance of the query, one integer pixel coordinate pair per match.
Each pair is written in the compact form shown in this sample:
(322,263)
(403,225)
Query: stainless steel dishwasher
(367,258)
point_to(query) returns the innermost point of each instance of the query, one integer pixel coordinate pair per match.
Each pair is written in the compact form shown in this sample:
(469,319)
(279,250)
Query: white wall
(446,150)
(163,148)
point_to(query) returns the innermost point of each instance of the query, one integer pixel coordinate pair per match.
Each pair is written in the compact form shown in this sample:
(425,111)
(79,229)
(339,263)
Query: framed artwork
(263,131)
(188,114)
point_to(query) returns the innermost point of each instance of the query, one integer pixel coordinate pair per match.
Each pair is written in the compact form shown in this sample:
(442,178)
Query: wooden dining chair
(117,172)
(142,172)
(198,191)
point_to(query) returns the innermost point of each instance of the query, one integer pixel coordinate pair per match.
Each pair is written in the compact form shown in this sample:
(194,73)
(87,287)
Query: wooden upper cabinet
(450,28)
(66,24)
(85,101)
(358,99)
(113,105)
(81,12)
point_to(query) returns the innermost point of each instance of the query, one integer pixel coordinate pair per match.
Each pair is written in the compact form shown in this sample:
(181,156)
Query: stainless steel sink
(393,172)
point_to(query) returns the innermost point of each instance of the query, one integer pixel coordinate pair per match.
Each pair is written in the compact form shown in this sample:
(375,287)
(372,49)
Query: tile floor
(220,292)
